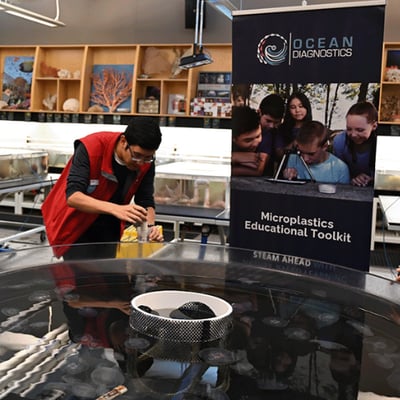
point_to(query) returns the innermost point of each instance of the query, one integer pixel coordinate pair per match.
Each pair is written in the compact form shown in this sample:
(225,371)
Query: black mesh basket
(198,318)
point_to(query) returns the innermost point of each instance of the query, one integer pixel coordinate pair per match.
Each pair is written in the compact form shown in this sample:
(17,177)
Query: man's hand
(131,213)
(155,234)
(290,173)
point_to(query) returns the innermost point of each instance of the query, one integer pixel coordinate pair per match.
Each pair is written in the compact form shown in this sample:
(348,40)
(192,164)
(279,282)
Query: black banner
(333,54)
(322,45)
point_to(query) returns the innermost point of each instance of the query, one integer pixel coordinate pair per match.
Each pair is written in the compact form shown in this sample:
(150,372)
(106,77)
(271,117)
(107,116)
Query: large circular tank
(300,329)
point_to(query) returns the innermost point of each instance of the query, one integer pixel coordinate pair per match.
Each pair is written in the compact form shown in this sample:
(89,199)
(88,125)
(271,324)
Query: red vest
(64,224)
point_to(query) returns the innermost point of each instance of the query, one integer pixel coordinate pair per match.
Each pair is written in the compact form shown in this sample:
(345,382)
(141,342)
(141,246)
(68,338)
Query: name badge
(93,183)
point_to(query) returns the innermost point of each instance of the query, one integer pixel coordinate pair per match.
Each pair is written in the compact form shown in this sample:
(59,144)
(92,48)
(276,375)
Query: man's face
(249,141)
(267,122)
(133,155)
(312,153)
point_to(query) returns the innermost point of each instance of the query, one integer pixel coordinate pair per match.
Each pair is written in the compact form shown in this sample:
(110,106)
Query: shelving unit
(168,81)
(389,113)
(112,55)
(46,60)
(389,101)
(80,60)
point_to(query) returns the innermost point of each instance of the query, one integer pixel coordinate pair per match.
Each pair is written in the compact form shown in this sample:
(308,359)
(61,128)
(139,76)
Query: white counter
(192,169)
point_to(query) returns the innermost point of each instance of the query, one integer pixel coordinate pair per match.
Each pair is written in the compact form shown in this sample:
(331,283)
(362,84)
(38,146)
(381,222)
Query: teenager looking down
(311,144)
(271,110)
(247,159)
(92,200)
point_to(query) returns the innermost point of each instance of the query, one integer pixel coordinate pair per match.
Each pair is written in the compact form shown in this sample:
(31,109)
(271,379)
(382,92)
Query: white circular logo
(272,49)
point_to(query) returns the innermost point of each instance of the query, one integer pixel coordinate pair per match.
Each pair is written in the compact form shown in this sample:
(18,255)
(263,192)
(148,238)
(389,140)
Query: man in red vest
(92,200)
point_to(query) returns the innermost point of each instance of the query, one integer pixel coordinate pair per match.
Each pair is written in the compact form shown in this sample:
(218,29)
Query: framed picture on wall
(112,86)
(17,81)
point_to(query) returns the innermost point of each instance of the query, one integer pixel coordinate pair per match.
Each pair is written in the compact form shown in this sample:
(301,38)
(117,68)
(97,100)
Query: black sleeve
(78,178)
(145,194)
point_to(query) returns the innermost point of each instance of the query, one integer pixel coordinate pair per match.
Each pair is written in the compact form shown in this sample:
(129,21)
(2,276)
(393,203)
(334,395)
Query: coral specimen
(47,70)
(64,73)
(176,69)
(95,108)
(49,101)
(392,74)
(111,88)
(390,108)
(71,105)
(156,61)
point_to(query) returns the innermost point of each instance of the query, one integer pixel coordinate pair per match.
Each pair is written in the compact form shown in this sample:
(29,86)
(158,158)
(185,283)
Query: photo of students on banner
(356,146)
(298,111)
(352,141)
(310,158)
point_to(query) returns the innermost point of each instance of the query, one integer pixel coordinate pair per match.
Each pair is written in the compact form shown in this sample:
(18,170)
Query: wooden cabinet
(67,71)
(158,75)
(389,101)
(46,82)
(110,58)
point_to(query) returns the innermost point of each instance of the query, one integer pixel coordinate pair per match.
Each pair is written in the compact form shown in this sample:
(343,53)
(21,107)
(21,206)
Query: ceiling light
(30,15)
(198,58)
(223,6)
(195,60)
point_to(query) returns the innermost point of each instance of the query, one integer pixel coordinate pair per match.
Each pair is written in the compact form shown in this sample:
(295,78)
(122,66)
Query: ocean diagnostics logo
(272,49)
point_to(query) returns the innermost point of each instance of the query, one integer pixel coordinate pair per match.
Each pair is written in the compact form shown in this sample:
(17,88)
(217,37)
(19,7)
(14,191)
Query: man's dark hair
(272,105)
(244,119)
(143,132)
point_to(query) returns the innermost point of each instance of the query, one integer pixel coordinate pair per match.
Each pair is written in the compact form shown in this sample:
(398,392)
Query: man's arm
(248,163)
(131,213)
(77,185)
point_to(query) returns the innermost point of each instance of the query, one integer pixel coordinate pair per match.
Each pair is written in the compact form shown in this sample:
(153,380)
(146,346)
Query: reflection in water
(291,336)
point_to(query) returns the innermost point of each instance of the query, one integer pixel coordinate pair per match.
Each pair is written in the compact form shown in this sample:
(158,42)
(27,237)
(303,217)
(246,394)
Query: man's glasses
(137,157)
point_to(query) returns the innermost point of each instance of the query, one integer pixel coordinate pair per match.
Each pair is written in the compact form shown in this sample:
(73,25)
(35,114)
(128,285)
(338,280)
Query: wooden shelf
(389,98)
(80,61)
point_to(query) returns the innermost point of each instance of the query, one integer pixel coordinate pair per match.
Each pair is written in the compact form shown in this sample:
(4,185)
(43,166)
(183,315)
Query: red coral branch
(111,88)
